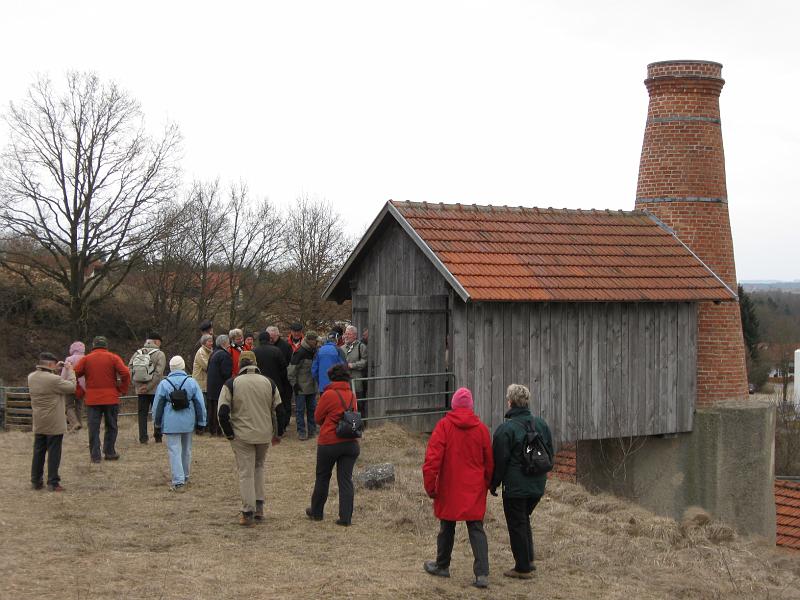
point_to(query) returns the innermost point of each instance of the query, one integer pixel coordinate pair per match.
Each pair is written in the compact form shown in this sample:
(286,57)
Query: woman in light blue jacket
(178,408)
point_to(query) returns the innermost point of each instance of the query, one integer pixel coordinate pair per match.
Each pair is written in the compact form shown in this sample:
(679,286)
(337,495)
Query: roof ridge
(458,206)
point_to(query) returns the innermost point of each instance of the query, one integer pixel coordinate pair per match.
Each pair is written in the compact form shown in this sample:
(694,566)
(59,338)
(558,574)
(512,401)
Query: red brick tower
(682,182)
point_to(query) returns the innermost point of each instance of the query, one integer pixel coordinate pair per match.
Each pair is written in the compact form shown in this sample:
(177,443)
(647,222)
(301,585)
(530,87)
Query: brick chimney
(682,182)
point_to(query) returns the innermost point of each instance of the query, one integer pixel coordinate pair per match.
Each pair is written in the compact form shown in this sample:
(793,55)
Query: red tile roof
(532,254)
(787,513)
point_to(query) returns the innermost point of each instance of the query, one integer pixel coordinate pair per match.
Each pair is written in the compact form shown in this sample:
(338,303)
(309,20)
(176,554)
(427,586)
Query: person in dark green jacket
(521,492)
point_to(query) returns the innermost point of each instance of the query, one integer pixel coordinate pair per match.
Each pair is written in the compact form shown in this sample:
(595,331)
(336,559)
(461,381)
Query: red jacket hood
(463,418)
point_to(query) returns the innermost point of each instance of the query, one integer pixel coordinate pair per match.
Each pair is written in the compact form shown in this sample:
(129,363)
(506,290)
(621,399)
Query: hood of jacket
(518,411)
(151,344)
(78,348)
(250,370)
(304,344)
(463,418)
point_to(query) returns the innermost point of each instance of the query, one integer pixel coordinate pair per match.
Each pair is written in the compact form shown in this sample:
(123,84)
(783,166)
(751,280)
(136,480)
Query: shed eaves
(531,254)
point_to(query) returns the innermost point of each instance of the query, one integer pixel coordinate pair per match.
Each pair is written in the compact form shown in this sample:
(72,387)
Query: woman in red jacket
(457,472)
(333,450)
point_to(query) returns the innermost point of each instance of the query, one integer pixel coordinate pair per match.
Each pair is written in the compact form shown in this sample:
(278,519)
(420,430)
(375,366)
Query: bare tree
(253,251)
(80,181)
(318,245)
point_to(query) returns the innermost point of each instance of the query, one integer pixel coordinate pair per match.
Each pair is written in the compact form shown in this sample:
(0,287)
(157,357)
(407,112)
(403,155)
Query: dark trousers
(213,418)
(145,403)
(477,540)
(518,519)
(108,412)
(50,446)
(344,456)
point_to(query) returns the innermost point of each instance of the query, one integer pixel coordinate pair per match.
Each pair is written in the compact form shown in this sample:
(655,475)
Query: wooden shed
(595,311)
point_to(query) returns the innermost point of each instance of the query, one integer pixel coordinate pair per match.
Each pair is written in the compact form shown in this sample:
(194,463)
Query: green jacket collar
(518,411)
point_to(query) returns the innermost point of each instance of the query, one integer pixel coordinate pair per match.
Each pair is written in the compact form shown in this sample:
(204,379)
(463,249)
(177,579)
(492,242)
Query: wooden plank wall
(595,370)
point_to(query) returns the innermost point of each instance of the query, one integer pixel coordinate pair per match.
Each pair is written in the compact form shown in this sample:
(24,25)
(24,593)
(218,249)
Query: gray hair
(223,341)
(352,328)
(518,395)
(272,329)
(205,337)
(235,333)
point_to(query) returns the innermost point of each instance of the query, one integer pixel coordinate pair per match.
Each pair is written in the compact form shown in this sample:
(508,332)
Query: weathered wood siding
(595,370)
(402,299)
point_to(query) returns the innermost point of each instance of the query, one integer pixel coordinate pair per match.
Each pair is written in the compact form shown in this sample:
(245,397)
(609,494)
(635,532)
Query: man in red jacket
(107,378)
(457,472)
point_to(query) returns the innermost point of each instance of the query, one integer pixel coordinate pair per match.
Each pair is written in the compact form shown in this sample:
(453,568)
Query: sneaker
(481,581)
(514,574)
(178,488)
(312,516)
(37,485)
(259,516)
(246,519)
(431,567)
(56,487)
(114,456)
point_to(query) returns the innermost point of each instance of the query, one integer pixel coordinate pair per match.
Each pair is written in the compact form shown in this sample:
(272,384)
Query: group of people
(245,394)
(462,464)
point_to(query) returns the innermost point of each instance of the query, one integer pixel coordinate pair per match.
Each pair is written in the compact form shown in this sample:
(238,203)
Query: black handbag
(350,425)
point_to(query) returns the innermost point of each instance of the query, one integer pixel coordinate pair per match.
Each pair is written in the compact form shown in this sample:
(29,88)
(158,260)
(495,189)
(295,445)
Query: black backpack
(535,457)
(178,396)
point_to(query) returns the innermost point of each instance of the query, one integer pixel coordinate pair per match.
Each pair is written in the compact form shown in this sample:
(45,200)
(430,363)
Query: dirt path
(118,532)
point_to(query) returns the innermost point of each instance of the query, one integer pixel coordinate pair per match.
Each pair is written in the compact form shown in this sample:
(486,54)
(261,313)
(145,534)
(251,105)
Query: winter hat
(296,327)
(176,364)
(77,348)
(154,335)
(248,356)
(333,336)
(462,399)
(311,336)
(100,341)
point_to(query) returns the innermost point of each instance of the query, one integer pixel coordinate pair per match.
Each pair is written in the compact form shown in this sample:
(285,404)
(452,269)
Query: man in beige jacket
(47,390)
(147,366)
(247,416)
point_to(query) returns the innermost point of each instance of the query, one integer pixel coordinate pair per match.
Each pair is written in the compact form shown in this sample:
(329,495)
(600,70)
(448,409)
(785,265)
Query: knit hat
(462,399)
(176,363)
(100,341)
(77,348)
(248,356)
(296,327)
(312,336)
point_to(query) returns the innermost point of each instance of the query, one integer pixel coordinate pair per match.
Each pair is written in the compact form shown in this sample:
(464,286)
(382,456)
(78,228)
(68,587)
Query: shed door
(411,340)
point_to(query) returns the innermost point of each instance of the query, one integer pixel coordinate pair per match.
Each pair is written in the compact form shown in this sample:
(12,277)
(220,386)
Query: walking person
(74,401)
(304,386)
(247,406)
(107,378)
(457,472)
(220,369)
(521,492)
(147,366)
(47,390)
(179,409)
(333,450)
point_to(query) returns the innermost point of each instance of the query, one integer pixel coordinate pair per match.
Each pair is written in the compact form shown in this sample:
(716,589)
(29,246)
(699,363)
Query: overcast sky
(527,103)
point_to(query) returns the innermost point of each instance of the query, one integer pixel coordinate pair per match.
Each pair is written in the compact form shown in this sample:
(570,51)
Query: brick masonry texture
(682,182)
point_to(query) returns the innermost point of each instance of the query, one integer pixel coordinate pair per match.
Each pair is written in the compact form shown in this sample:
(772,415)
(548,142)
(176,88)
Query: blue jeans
(305,404)
(179,449)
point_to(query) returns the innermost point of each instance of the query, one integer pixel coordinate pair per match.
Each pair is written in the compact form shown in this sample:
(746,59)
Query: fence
(450,377)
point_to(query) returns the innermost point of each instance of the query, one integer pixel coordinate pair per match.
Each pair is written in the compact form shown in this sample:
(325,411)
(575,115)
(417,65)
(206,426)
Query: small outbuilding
(596,311)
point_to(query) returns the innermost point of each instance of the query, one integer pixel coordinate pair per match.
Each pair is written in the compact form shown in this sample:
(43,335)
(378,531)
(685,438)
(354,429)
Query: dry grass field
(118,532)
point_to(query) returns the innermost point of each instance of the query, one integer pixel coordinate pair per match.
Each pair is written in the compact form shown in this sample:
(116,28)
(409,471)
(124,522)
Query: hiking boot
(114,456)
(431,567)
(481,581)
(259,516)
(56,487)
(343,523)
(246,519)
(37,485)
(312,516)
(514,574)
(178,488)
(96,461)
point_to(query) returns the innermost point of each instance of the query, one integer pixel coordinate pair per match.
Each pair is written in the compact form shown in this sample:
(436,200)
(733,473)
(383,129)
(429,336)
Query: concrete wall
(725,465)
